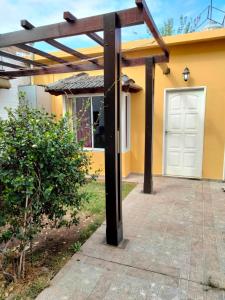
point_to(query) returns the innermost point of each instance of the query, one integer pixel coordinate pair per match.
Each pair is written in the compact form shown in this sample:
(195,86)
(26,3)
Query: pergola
(113,59)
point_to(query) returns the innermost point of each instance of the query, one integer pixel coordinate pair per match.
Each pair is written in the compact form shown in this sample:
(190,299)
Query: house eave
(128,89)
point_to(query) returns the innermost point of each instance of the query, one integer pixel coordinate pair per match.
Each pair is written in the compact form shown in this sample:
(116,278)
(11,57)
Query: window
(88,111)
(88,120)
(98,122)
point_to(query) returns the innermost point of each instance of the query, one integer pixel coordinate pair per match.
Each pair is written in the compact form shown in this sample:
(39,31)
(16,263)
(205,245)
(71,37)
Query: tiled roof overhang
(84,83)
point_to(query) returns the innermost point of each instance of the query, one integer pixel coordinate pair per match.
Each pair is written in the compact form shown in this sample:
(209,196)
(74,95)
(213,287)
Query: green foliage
(76,247)
(42,168)
(168,27)
(185,26)
(96,203)
(54,261)
(22,98)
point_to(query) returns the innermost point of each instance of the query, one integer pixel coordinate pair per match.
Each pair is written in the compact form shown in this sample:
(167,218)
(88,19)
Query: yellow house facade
(189,116)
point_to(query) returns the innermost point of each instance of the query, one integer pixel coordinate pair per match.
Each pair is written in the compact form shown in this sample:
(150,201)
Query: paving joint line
(151,271)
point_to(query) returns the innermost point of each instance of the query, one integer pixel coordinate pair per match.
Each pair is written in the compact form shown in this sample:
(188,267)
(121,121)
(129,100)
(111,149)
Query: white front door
(184,132)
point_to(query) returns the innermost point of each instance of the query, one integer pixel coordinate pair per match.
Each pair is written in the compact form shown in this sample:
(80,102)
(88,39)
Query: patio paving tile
(175,249)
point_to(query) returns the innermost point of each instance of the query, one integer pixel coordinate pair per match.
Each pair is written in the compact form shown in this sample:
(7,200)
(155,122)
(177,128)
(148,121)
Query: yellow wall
(98,163)
(206,61)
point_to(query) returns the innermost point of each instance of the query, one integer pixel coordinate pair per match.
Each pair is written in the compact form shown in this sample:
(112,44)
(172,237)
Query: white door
(184,132)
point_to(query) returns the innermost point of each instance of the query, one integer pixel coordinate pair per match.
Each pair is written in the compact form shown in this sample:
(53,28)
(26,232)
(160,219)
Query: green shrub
(42,168)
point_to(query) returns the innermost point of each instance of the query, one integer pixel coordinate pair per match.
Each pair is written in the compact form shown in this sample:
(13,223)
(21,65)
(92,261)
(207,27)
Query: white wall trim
(166,91)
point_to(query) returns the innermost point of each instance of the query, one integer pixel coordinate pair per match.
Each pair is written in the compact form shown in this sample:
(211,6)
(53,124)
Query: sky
(43,12)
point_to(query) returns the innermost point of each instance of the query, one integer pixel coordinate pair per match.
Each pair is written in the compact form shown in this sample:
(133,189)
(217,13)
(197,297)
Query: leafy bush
(42,168)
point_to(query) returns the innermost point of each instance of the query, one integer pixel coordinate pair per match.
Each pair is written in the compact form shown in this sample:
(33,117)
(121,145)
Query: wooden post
(112,91)
(149,113)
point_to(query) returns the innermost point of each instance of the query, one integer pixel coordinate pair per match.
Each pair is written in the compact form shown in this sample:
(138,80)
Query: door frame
(180,89)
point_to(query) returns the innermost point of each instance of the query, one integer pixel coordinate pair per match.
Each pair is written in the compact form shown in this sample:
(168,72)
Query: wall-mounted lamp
(186,74)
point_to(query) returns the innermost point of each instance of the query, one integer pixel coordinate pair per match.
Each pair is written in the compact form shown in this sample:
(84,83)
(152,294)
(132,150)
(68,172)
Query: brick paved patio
(174,249)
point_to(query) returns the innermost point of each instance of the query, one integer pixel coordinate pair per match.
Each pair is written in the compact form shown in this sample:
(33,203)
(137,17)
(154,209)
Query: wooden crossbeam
(28,26)
(128,17)
(161,60)
(41,53)
(73,67)
(95,37)
(132,62)
(141,4)
(65,49)
(54,69)
(69,17)
(22,59)
(9,65)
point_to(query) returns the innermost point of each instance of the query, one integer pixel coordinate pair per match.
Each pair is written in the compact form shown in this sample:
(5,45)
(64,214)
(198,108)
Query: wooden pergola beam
(76,67)
(69,17)
(161,60)
(28,26)
(112,95)
(22,59)
(66,49)
(128,17)
(40,53)
(133,62)
(54,69)
(141,4)
(149,119)
(9,65)
(95,37)
(111,24)
(165,69)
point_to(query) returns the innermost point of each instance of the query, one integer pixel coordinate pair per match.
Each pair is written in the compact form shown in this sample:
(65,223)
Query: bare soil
(51,250)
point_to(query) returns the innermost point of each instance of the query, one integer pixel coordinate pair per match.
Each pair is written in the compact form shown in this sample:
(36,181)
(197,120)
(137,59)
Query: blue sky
(41,12)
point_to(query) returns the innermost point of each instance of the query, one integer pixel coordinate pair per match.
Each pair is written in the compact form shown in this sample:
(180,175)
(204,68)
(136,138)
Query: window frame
(72,98)
(126,130)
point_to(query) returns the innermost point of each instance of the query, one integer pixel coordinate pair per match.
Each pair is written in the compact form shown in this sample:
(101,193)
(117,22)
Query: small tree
(42,168)
(168,27)
(185,26)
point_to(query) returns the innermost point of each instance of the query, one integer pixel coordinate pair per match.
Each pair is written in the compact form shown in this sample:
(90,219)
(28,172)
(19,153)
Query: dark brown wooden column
(112,91)
(149,113)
